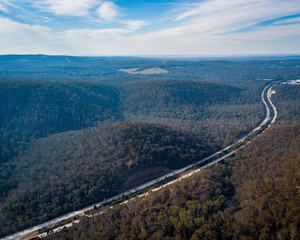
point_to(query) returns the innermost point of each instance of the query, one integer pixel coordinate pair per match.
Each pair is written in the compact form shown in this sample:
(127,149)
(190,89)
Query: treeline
(68,171)
(254,195)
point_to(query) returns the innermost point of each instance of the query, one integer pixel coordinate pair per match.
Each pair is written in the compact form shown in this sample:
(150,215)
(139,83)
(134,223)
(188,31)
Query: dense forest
(217,112)
(31,110)
(254,195)
(76,130)
(70,170)
(164,96)
(34,109)
(287,102)
(32,156)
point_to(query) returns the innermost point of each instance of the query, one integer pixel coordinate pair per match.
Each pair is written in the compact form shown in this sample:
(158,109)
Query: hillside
(287,101)
(217,112)
(70,170)
(31,110)
(144,97)
(254,195)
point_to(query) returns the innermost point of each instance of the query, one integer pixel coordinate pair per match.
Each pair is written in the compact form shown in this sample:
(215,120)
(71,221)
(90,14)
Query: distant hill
(238,71)
(216,111)
(144,97)
(254,195)
(70,170)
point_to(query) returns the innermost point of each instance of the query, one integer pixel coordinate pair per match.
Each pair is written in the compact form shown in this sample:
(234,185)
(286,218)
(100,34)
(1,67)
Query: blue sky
(144,27)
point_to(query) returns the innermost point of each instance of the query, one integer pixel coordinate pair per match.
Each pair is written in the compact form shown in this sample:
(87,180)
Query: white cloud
(269,33)
(3,5)
(67,7)
(228,15)
(108,11)
(135,24)
(95,35)
(177,41)
(24,38)
(3,8)
(289,21)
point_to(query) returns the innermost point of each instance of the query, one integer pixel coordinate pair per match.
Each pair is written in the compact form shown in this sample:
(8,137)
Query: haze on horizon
(144,27)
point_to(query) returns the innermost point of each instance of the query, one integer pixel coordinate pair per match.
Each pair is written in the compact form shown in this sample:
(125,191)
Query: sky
(144,27)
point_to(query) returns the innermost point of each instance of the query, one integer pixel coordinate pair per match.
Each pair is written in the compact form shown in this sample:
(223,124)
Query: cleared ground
(148,71)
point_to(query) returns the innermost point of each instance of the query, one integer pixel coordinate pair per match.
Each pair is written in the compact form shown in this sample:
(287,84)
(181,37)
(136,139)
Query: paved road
(273,106)
(208,160)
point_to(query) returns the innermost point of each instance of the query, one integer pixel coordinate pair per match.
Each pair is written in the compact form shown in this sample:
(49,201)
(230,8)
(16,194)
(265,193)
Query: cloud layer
(96,27)
(67,7)
(3,8)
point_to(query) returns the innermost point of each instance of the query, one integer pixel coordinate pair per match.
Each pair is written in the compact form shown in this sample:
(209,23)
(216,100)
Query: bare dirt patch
(147,71)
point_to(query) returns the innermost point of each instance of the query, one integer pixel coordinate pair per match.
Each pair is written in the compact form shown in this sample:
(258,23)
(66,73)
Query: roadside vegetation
(287,101)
